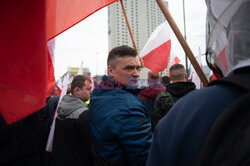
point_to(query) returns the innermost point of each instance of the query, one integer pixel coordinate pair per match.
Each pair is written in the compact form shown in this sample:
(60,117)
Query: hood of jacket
(151,92)
(68,105)
(179,89)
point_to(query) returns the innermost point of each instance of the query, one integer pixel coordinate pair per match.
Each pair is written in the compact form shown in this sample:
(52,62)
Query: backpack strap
(240,78)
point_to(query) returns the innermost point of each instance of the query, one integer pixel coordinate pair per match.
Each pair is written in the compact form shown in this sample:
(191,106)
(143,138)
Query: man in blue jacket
(120,128)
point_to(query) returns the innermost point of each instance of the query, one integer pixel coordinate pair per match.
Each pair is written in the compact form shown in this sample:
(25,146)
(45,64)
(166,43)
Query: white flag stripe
(196,79)
(51,49)
(49,146)
(60,84)
(80,69)
(157,38)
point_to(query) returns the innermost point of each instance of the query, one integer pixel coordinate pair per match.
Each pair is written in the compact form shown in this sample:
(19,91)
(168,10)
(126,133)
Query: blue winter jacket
(180,134)
(120,128)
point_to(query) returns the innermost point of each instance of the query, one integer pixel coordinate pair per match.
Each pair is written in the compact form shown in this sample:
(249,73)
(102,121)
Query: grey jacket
(71,107)
(72,142)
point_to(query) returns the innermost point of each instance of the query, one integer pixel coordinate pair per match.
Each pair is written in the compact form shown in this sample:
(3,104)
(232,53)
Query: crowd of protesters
(166,123)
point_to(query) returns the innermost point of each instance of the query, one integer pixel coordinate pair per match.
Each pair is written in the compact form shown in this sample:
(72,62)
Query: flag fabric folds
(63,14)
(26,67)
(49,146)
(80,69)
(156,51)
(23,65)
(51,61)
(195,77)
(220,16)
(175,60)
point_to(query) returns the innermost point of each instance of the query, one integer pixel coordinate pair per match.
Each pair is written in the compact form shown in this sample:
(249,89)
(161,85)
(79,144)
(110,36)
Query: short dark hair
(177,72)
(78,81)
(120,51)
(153,76)
(165,80)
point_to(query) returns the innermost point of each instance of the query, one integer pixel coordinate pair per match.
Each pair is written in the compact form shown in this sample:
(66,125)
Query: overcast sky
(88,40)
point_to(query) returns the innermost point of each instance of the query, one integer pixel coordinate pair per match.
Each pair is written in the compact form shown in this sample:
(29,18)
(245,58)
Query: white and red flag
(26,67)
(219,16)
(156,51)
(49,146)
(195,77)
(63,14)
(175,60)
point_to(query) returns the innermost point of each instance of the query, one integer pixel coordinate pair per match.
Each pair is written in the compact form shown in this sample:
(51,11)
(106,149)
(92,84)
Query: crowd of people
(166,123)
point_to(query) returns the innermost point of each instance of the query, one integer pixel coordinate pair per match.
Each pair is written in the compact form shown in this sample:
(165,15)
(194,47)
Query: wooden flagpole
(129,29)
(182,41)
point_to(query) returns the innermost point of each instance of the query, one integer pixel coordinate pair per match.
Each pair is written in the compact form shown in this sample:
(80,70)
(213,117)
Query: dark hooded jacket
(149,94)
(72,144)
(166,99)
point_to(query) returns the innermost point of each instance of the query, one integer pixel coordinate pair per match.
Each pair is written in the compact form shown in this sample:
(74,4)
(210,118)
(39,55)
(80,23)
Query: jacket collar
(109,83)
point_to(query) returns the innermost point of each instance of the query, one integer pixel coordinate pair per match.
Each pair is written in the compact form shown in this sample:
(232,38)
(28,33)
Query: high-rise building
(143,15)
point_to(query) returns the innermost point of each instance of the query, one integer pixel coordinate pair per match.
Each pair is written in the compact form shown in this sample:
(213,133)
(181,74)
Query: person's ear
(110,71)
(76,91)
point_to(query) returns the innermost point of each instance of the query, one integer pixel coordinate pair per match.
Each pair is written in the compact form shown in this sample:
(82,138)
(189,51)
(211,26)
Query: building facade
(143,15)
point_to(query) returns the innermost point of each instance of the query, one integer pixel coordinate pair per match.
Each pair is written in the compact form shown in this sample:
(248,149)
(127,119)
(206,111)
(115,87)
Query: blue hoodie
(120,128)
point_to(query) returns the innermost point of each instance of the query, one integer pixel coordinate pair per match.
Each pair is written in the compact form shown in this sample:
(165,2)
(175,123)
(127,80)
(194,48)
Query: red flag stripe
(23,64)
(157,59)
(63,14)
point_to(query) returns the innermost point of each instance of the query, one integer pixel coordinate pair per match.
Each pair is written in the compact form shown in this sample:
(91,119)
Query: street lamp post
(185,35)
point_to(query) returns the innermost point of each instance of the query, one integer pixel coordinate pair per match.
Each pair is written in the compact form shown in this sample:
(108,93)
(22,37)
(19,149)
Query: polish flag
(26,66)
(156,51)
(195,77)
(49,145)
(175,60)
(80,69)
(23,64)
(59,87)
(51,62)
(63,14)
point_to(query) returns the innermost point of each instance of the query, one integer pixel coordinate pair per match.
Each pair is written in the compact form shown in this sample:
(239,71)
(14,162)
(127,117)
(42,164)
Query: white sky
(88,40)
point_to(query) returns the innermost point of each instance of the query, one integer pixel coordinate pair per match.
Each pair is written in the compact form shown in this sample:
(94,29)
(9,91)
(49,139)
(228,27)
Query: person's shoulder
(211,92)
(108,92)
(53,99)
(206,101)
(163,94)
(78,112)
(119,95)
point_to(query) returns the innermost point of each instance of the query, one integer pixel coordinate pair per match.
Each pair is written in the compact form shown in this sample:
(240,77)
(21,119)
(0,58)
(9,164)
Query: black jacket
(166,99)
(72,144)
(179,89)
(24,137)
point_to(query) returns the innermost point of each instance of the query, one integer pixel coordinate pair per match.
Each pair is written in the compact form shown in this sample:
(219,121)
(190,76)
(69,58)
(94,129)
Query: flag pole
(182,41)
(129,29)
